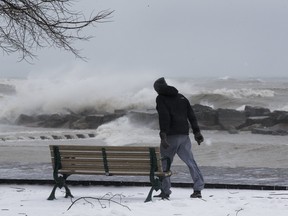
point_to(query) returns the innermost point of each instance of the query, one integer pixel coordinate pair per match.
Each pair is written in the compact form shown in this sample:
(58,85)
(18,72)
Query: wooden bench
(106,160)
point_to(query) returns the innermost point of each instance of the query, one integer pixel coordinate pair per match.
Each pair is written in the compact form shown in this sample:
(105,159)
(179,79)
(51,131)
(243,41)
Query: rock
(251,127)
(232,130)
(81,136)
(256,111)
(228,118)
(280,126)
(280,132)
(147,117)
(206,116)
(120,112)
(264,131)
(56,137)
(282,117)
(53,121)
(269,131)
(91,135)
(88,122)
(94,121)
(44,137)
(25,120)
(264,121)
(278,129)
(68,136)
(73,121)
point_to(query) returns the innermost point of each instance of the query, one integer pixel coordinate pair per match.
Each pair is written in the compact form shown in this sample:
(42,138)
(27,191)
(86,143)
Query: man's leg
(185,154)
(170,153)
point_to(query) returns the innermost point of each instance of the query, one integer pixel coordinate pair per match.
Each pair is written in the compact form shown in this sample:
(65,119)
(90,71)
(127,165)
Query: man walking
(175,113)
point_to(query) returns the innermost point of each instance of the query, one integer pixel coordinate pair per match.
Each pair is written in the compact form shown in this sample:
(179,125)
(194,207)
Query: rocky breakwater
(258,120)
(85,120)
(255,119)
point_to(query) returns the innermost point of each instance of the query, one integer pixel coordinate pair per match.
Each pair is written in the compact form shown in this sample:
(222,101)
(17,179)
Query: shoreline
(220,149)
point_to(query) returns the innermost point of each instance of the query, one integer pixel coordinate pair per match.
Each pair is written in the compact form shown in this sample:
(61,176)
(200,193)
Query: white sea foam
(208,142)
(241,108)
(244,92)
(283,107)
(186,87)
(123,131)
(206,103)
(42,94)
(225,78)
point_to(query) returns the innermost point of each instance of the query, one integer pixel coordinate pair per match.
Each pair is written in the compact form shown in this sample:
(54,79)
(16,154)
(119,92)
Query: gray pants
(181,145)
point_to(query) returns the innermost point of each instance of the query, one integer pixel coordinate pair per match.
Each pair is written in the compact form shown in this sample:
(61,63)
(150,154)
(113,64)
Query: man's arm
(192,118)
(194,124)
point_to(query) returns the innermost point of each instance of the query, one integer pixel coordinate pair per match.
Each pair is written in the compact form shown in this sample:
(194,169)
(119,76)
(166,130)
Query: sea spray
(74,91)
(42,95)
(123,131)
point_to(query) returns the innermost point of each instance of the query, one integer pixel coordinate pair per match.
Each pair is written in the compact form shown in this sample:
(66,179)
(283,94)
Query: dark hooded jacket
(174,110)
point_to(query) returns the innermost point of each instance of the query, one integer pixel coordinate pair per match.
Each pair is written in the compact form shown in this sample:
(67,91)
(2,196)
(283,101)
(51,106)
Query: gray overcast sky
(191,38)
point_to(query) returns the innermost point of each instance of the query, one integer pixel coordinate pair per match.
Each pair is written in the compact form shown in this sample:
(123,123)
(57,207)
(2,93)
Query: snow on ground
(31,200)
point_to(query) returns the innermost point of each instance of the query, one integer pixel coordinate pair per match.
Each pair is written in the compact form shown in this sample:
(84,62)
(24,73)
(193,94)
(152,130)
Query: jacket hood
(162,88)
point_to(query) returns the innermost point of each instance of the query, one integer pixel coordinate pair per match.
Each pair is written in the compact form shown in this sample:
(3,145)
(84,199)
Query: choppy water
(38,96)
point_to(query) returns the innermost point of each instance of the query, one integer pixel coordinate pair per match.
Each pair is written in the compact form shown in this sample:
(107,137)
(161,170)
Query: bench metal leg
(59,183)
(68,192)
(149,197)
(52,195)
(156,185)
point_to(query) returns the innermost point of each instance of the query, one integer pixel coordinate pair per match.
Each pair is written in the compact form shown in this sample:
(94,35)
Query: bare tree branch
(27,25)
(109,197)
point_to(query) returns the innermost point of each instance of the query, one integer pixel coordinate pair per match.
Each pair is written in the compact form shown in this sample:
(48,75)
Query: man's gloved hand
(198,137)
(164,142)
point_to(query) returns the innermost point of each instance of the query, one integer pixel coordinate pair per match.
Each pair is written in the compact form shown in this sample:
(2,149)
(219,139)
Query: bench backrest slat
(108,148)
(80,159)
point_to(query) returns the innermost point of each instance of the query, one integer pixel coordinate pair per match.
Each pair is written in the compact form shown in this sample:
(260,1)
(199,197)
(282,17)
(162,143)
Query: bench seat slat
(112,173)
(114,160)
(100,166)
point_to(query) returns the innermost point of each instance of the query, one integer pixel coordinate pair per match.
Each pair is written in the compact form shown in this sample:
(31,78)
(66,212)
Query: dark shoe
(162,196)
(196,194)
